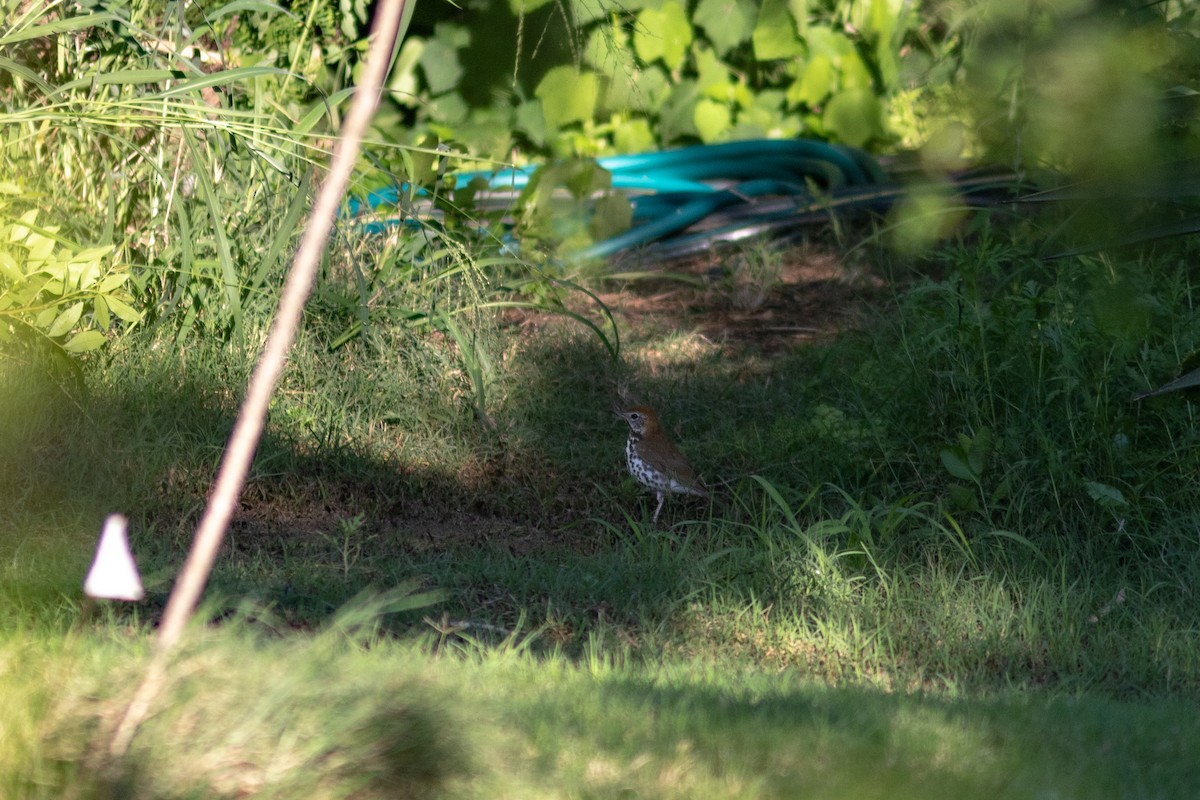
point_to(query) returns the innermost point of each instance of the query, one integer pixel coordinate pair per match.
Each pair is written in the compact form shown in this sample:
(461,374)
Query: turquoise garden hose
(687,199)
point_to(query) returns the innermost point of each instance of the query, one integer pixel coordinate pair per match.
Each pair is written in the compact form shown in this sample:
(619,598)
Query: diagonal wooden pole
(243,441)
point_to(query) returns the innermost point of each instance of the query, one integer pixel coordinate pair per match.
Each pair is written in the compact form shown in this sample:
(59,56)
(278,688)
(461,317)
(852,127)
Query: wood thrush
(653,459)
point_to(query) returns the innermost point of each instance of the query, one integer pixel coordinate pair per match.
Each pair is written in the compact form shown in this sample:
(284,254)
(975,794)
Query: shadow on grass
(375,471)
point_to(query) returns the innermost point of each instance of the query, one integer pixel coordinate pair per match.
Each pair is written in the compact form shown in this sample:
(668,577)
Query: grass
(478,722)
(947,551)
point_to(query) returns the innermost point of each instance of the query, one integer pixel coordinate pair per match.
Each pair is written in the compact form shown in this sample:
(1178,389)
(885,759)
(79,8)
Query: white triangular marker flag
(114,575)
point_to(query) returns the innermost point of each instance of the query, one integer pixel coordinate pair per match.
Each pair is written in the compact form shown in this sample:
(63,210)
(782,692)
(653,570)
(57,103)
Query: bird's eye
(635,415)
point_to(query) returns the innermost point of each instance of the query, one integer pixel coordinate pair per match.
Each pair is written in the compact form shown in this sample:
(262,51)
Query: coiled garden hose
(685,200)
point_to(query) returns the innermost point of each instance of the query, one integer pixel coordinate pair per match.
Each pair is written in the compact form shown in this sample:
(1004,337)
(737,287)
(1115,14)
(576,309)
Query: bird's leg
(662,498)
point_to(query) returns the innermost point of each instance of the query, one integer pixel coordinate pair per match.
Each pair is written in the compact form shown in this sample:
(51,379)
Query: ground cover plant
(859,566)
(947,549)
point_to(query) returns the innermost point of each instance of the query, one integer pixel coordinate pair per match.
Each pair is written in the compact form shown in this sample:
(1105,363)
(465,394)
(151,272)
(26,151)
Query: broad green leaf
(1104,494)
(677,118)
(111,282)
(963,496)
(449,108)
(727,23)
(775,34)
(8,268)
(854,116)
(956,465)
(713,77)
(815,84)
(764,116)
(611,215)
(439,59)
(712,119)
(567,96)
(123,310)
(880,17)
(978,450)
(633,136)
(91,254)
(84,341)
(403,82)
(41,250)
(609,52)
(21,230)
(854,73)
(663,33)
(32,286)
(531,121)
(799,9)
(649,89)
(100,314)
(65,321)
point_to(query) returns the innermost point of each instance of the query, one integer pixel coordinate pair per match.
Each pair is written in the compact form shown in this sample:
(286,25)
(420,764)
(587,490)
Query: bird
(654,461)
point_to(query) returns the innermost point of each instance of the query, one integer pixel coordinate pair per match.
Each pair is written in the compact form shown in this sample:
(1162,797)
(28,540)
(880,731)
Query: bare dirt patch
(805,295)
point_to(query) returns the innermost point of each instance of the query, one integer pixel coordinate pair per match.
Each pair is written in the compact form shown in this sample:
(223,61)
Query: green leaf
(854,116)
(403,80)
(135,76)
(677,118)
(82,342)
(222,78)
(439,59)
(963,497)
(1105,495)
(531,121)
(65,321)
(663,33)
(855,73)
(712,119)
(775,34)
(815,84)
(978,450)
(123,310)
(70,23)
(633,136)
(726,23)
(713,76)
(956,465)
(8,268)
(100,313)
(646,92)
(608,51)
(611,215)
(112,282)
(567,96)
